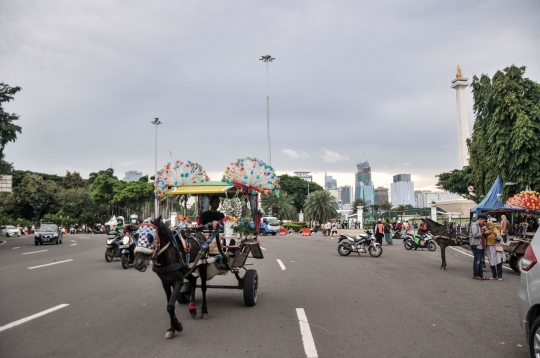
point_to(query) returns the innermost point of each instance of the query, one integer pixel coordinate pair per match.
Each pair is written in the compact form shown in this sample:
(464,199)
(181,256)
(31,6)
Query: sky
(351,80)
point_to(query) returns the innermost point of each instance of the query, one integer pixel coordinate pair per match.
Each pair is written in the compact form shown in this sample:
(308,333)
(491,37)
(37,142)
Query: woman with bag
(494,250)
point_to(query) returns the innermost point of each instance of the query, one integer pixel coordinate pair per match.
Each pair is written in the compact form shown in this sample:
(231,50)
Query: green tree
(505,135)
(133,196)
(360,202)
(103,189)
(320,205)
(281,207)
(297,188)
(73,180)
(386,206)
(93,176)
(35,197)
(8,130)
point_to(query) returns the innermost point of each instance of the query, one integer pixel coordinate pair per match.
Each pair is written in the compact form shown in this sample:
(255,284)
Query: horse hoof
(204,315)
(193,313)
(169,334)
(444,268)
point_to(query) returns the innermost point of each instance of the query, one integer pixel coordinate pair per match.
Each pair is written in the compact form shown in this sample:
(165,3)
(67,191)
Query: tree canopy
(321,206)
(281,207)
(8,129)
(297,188)
(505,136)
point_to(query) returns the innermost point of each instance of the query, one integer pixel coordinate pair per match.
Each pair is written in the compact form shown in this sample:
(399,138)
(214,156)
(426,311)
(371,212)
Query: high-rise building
(423,198)
(402,190)
(329,183)
(381,195)
(345,194)
(132,175)
(363,187)
(366,193)
(402,177)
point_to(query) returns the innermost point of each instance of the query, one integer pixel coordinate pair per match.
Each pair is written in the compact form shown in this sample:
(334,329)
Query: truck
(269,225)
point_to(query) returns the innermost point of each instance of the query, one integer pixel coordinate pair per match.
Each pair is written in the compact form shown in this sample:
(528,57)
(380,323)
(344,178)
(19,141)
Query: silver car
(10,230)
(528,303)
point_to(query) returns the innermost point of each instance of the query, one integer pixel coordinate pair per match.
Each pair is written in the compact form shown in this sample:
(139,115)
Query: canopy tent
(491,201)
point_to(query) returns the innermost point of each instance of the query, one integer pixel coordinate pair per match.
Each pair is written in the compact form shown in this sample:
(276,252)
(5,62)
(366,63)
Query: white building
(402,193)
(132,175)
(423,198)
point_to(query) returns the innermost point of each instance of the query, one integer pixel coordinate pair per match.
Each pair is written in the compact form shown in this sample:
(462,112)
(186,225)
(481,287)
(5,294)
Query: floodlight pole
(267,59)
(156,211)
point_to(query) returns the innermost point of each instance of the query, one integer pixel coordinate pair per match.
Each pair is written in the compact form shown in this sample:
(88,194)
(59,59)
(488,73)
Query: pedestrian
(379,231)
(334,229)
(477,243)
(407,227)
(504,228)
(388,233)
(494,250)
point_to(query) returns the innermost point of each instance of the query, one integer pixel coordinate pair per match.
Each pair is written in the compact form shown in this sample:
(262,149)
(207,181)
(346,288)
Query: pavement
(312,302)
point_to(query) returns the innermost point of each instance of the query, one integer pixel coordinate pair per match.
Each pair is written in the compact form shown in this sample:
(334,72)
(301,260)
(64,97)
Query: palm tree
(282,207)
(320,205)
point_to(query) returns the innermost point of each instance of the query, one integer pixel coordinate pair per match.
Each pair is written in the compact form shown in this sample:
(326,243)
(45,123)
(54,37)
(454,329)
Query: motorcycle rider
(119,224)
(423,228)
(130,228)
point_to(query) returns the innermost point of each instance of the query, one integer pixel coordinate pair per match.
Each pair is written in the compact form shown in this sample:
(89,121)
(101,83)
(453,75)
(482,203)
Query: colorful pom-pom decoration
(178,174)
(252,175)
(525,200)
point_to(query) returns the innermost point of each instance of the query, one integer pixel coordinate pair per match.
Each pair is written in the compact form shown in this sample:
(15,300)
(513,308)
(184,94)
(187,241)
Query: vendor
(212,214)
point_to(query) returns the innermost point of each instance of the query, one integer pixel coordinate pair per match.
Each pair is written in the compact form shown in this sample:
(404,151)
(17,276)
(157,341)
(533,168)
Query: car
(528,303)
(48,233)
(10,230)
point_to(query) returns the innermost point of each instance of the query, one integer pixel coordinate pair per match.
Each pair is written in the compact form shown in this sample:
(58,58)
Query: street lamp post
(267,59)
(157,123)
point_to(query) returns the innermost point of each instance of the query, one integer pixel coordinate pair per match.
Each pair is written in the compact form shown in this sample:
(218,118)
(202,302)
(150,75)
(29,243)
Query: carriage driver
(212,214)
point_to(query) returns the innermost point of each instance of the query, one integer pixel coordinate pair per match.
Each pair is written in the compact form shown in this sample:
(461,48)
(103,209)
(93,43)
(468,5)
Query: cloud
(404,164)
(294,154)
(332,157)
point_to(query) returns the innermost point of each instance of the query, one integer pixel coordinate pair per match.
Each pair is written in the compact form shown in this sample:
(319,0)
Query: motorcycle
(426,241)
(397,235)
(113,241)
(127,250)
(360,244)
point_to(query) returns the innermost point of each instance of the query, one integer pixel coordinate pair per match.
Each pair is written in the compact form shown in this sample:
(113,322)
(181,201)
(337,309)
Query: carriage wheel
(251,284)
(512,262)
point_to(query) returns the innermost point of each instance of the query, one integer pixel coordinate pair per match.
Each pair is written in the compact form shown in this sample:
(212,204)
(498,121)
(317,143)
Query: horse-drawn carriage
(183,254)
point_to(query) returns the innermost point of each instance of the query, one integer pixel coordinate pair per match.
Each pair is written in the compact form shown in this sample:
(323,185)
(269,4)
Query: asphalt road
(398,305)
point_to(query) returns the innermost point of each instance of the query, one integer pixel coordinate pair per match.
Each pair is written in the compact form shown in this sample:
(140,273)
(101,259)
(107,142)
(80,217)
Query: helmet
(134,216)
(120,218)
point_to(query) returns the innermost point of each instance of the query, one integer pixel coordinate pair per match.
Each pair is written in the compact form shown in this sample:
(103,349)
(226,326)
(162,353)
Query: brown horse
(170,254)
(446,236)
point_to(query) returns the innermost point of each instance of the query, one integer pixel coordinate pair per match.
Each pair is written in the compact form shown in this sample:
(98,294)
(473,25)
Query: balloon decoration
(178,174)
(252,175)
(526,200)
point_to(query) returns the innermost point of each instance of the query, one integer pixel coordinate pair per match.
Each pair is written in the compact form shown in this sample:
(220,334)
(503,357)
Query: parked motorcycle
(113,241)
(398,235)
(360,244)
(127,251)
(426,241)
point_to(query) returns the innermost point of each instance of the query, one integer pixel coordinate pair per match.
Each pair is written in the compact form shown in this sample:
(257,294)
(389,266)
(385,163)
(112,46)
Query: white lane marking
(54,263)
(29,318)
(73,241)
(281,264)
(18,247)
(307,338)
(3,242)
(33,252)
(464,253)
(73,245)
(263,248)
